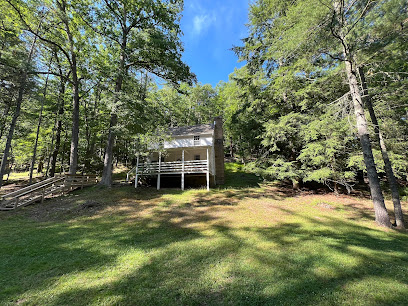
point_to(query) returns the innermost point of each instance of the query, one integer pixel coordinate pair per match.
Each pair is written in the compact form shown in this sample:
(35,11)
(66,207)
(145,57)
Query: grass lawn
(247,243)
(17,176)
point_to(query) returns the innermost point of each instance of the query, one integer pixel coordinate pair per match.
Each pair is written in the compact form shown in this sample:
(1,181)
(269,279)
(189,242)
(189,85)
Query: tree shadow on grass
(358,211)
(35,256)
(160,256)
(313,261)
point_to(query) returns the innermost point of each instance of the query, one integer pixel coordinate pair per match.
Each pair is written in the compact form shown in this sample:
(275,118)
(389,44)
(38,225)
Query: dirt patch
(62,208)
(89,205)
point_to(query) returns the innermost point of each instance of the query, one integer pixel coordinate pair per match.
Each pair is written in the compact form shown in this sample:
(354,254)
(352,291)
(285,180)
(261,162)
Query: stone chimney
(219,151)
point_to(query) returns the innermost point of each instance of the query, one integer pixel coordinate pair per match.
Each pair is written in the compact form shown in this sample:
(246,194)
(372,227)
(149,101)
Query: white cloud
(202,22)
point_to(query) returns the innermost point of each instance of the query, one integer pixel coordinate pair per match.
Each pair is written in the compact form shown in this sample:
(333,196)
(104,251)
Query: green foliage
(308,132)
(286,112)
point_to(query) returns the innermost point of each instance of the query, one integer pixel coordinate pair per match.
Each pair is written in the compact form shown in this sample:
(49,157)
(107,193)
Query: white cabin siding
(188,141)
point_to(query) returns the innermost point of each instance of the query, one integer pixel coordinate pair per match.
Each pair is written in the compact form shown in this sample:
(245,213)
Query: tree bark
(399,217)
(58,128)
(73,158)
(4,119)
(106,179)
(39,126)
(231,148)
(381,214)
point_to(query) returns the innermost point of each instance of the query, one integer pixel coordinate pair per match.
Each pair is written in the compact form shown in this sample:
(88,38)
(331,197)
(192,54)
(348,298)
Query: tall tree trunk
(106,179)
(21,90)
(58,130)
(58,125)
(381,214)
(39,126)
(62,169)
(88,152)
(50,148)
(73,157)
(399,217)
(4,119)
(231,148)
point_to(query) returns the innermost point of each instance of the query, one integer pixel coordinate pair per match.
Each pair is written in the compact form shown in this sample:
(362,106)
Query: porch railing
(190,166)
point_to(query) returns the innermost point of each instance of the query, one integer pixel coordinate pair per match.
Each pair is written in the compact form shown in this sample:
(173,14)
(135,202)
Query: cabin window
(197,157)
(196,140)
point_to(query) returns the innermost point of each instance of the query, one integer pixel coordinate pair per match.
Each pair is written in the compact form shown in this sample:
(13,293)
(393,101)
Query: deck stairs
(39,191)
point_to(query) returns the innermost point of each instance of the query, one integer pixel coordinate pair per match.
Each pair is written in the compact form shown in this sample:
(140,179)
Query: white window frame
(197,140)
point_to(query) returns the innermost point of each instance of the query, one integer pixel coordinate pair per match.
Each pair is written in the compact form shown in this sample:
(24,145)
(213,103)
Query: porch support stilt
(182,170)
(208,170)
(158,174)
(137,168)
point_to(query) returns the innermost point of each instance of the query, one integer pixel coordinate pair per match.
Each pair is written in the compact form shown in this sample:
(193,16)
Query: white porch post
(182,170)
(137,168)
(158,175)
(213,164)
(208,170)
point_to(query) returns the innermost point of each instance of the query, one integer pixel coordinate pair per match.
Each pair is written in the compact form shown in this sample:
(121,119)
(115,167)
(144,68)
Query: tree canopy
(321,99)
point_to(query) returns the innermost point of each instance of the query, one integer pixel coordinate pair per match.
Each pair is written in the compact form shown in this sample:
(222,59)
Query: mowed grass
(25,175)
(252,244)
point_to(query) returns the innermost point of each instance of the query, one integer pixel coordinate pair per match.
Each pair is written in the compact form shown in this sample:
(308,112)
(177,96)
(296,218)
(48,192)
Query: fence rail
(38,191)
(154,168)
(73,181)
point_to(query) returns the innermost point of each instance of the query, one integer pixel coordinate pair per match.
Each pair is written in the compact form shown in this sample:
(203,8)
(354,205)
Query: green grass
(18,176)
(257,245)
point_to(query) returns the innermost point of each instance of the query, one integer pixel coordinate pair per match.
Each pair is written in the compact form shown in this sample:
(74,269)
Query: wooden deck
(177,167)
(156,169)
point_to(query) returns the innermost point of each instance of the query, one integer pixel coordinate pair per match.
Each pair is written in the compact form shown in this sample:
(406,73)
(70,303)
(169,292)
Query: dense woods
(322,96)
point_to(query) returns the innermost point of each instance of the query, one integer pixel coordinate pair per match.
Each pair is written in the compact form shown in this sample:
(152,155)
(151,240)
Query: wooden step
(38,191)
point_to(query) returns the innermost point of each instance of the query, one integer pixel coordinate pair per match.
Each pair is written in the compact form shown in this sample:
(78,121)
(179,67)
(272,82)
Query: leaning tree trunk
(399,217)
(21,90)
(381,214)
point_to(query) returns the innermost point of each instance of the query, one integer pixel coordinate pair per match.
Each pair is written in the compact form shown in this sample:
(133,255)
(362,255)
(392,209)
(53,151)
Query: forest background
(321,98)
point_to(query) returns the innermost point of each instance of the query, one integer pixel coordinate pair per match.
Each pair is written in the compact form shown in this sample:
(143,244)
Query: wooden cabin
(191,151)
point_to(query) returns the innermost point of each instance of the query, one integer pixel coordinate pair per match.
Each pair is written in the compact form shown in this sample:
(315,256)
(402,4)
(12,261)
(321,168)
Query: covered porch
(182,161)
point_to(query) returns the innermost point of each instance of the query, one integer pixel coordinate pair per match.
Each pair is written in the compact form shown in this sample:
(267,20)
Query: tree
(22,83)
(66,35)
(142,35)
(287,34)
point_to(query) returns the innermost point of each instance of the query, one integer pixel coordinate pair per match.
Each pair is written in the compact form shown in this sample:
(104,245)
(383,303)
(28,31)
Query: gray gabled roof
(192,130)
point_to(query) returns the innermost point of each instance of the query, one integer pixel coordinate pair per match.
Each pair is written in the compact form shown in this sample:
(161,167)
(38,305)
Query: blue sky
(211,28)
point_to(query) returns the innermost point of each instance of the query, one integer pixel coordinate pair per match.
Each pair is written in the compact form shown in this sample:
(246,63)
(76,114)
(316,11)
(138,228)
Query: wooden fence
(38,191)
(73,181)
